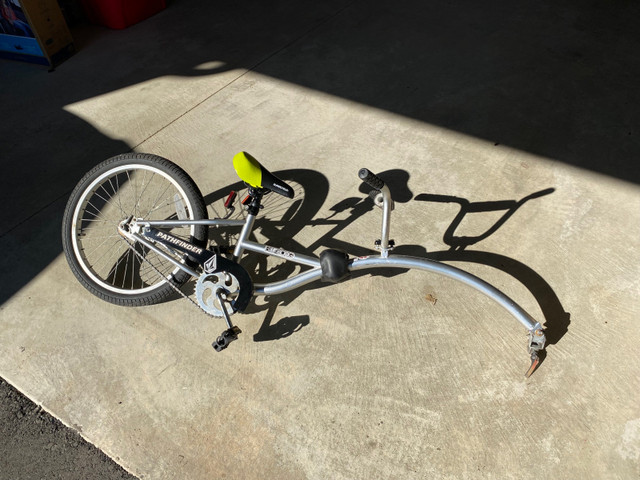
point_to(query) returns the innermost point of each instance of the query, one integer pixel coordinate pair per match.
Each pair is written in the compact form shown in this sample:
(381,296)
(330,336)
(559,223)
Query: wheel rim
(141,191)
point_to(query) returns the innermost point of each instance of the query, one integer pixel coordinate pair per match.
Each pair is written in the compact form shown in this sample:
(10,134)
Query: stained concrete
(509,137)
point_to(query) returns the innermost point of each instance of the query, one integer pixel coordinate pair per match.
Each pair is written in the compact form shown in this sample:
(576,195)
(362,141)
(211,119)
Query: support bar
(151,246)
(289,284)
(401,261)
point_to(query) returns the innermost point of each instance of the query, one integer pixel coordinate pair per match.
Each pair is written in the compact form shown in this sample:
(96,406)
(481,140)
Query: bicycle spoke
(97,246)
(158,200)
(116,191)
(108,201)
(101,220)
(145,187)
(109,254)
(159,192)
(133,206)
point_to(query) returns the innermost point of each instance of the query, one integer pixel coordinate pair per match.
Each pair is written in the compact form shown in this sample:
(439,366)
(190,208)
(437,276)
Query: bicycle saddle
(251,172)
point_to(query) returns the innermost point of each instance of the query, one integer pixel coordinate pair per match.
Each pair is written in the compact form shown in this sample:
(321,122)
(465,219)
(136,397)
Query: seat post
(252,212)
(244,235)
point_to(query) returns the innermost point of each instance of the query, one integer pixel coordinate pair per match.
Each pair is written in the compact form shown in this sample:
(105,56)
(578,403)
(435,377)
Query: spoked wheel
(130,185)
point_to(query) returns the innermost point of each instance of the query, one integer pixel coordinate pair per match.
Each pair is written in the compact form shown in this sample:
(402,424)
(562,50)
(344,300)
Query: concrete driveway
(509,134)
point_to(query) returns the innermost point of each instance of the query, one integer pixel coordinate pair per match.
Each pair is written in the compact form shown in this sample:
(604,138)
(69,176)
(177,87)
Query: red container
(121,13)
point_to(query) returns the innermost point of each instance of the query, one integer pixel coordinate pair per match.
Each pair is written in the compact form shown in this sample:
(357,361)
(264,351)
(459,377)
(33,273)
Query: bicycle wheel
(139,185)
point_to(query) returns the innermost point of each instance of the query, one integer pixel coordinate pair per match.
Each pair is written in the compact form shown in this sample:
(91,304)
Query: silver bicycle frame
(384,260)
(407,262)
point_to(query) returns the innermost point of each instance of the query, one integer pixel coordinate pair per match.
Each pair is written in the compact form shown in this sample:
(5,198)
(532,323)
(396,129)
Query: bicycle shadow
(283,328)
(279,222)
(291,216)
(302,210)
(466,207)
(556,319)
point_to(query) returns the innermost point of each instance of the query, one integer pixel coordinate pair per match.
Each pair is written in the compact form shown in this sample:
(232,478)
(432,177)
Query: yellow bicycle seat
(254,174)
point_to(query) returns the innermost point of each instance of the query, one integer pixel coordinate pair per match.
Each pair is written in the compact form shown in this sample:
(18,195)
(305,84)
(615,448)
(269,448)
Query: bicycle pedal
(226,338)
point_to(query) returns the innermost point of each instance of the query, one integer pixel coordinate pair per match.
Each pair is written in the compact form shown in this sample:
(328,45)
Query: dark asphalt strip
(35,445)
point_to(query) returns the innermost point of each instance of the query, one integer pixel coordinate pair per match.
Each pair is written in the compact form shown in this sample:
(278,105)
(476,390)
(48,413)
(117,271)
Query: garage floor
(509,137)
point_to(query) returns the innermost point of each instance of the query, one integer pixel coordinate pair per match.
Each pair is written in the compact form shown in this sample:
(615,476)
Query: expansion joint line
(250,69)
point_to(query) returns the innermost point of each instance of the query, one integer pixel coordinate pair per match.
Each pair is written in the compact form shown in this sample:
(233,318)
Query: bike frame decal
(211,264)
(176,243)
(279,252)
(185,246)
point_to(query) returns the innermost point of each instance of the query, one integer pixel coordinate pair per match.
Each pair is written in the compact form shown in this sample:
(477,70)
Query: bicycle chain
(184,295)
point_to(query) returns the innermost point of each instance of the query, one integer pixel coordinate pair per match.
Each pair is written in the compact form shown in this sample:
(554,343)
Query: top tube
(215,222)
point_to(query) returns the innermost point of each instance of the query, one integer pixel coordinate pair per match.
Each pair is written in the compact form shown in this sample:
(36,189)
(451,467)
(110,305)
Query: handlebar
(370,179)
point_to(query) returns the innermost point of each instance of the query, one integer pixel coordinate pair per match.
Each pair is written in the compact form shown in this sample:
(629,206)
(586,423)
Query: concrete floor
(509,134)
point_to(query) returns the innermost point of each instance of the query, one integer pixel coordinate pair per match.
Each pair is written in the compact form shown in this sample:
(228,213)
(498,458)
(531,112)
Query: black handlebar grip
(370,179)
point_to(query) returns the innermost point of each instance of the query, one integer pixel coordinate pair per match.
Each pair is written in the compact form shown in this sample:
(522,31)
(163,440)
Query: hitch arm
(536,345)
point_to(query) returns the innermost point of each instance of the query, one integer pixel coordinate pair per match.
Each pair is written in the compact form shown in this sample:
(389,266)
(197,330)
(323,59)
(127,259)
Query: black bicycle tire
(200,233)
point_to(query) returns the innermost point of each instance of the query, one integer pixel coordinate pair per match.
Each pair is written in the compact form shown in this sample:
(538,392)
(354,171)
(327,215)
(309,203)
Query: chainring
(210,283)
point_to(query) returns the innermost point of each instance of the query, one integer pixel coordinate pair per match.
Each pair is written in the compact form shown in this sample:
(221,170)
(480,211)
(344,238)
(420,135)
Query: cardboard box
(34,31)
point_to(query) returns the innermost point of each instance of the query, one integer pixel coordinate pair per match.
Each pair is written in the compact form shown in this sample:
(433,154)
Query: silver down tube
(289,284)
(279,252)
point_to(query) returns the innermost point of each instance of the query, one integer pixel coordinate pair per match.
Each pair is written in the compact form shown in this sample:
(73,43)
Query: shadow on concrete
(311,193)
(559,81)
(553,80)
(283,328)
(508,207)
(557,320)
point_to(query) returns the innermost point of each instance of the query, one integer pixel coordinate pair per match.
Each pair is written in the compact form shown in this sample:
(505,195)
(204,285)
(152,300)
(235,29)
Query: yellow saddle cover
(254,174)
